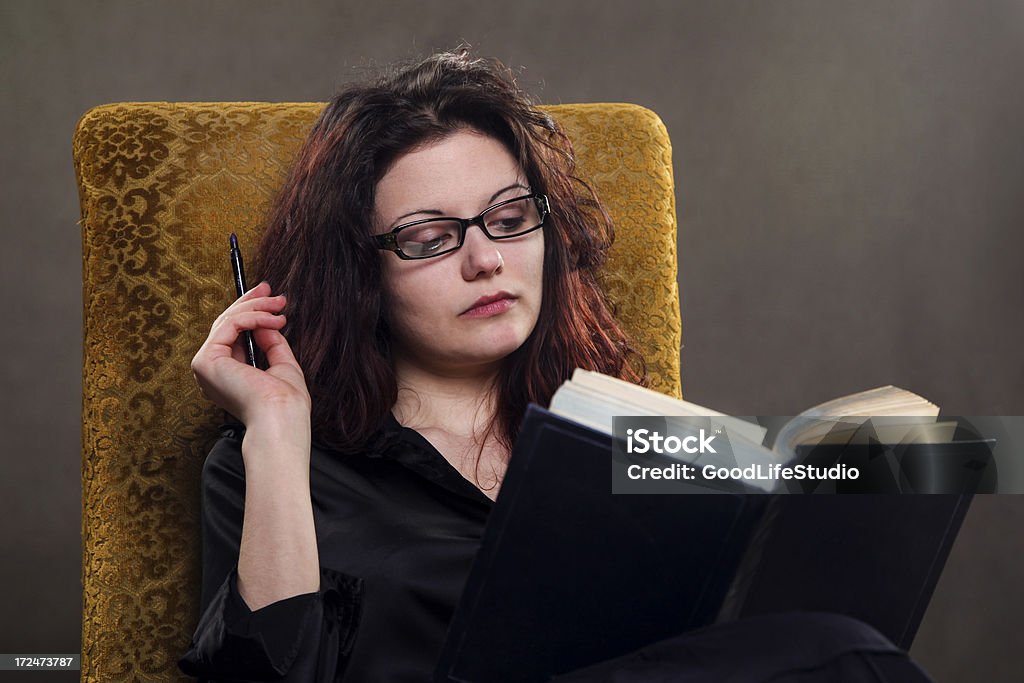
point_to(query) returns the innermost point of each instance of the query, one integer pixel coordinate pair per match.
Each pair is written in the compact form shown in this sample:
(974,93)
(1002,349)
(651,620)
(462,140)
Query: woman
(435,261)
(400,361)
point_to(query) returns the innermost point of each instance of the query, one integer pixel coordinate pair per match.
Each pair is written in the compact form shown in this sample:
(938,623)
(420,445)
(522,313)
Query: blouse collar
(407,447)
(411,449)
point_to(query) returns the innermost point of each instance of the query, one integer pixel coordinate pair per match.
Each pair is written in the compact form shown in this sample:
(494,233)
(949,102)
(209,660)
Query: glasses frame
(389,240)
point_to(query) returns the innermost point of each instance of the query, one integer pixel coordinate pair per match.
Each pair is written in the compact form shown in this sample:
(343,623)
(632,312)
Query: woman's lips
(488,306)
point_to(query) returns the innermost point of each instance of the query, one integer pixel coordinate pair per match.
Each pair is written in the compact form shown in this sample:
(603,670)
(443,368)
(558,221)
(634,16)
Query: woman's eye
(506,224)
(426,239)
(433,243)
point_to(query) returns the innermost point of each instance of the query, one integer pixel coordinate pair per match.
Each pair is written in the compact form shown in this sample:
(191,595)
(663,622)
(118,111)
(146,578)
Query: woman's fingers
(262,289)
(275,347)
(253,310)
(238,351)
(273,304)
(281,363)
(227,330)
(261,303)
(220,365)
(245,302)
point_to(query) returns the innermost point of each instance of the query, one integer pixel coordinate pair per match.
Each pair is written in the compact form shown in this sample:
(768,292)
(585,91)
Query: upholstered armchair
(161,187)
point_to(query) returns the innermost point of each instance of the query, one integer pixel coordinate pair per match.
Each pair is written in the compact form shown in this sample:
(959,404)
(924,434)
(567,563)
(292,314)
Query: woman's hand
(277,556)
(277,394)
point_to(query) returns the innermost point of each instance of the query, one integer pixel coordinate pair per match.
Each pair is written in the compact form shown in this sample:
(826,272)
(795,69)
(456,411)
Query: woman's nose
(480,255)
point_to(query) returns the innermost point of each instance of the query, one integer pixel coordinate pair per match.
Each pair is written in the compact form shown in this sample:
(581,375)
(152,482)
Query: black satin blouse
(397,528)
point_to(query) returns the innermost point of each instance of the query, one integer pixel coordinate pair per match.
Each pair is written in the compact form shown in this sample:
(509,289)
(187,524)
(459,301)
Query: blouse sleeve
(302,638)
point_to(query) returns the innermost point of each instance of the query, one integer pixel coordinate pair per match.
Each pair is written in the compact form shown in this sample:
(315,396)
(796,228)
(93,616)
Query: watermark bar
(818,455)
(37,662)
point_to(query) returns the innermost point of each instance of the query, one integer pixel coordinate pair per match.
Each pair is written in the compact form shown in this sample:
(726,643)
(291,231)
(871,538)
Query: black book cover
(569,574)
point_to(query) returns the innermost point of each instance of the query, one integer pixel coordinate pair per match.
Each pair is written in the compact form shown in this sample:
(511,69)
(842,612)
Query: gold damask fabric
(161,186)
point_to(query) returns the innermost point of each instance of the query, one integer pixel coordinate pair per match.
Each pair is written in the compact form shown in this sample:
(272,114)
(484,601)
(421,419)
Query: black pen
(239,271)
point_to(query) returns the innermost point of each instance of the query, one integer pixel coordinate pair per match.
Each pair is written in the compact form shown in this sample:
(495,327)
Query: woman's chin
(493,352)
(501,343)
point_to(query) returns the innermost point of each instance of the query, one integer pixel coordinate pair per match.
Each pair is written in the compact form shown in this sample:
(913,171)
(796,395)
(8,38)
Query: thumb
(275,347)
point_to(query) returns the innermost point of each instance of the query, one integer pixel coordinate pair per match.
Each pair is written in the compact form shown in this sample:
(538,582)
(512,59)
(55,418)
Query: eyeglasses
(436,236)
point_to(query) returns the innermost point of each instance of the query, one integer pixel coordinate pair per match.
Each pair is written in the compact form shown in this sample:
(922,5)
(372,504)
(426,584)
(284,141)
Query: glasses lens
(509,220)
(429,239)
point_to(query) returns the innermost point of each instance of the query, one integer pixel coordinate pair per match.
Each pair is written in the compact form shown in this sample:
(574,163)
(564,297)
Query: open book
(897,416)
(569,574)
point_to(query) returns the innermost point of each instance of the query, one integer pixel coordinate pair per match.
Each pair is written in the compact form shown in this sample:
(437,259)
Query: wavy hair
(317,245)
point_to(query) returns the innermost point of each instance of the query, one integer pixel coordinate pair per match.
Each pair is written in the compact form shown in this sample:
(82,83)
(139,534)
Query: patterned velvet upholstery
(161,186)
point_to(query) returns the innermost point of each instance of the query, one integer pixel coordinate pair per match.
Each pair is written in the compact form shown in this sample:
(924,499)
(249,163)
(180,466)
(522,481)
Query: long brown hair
(317,245)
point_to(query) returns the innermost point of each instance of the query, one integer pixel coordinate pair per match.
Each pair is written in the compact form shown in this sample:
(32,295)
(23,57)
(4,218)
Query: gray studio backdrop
(849,180)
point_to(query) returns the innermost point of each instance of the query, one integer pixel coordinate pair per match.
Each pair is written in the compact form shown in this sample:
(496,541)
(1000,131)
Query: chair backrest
(161,186)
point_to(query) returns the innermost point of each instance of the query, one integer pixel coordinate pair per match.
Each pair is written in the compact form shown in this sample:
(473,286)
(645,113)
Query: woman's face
(437,319)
